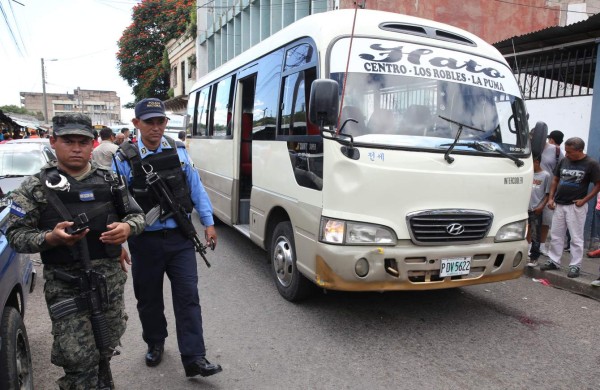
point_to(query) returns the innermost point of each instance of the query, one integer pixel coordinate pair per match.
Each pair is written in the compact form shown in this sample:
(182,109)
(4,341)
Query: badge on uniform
(15,209)
(86,196)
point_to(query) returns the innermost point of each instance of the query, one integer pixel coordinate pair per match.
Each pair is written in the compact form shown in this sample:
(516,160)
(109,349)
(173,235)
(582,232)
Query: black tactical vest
(83,196)
(167,165)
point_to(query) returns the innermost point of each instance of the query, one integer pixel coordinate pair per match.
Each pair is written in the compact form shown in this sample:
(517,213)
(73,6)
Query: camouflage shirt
(28,202)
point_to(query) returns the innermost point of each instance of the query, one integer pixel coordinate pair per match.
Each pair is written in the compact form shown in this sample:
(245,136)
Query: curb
(559,279)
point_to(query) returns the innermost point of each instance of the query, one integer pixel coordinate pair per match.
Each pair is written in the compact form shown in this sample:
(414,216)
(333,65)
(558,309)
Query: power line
(17,24)
(544,7)
(12,34)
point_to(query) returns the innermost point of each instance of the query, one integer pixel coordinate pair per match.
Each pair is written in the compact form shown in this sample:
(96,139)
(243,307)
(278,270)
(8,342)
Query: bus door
(245,106)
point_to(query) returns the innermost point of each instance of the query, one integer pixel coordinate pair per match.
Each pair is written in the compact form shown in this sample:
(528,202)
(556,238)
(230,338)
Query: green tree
(17,110)
(141,47)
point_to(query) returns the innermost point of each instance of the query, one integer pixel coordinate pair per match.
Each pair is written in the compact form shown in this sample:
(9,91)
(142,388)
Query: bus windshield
(423,106)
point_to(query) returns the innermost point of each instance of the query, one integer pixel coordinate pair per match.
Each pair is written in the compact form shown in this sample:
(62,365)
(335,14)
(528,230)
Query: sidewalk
(559,279)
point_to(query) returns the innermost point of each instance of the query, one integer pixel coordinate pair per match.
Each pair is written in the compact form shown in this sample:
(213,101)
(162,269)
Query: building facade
(226,28)
(103,107)
(182,57)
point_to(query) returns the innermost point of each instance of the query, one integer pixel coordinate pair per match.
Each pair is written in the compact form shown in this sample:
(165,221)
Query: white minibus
(369,151)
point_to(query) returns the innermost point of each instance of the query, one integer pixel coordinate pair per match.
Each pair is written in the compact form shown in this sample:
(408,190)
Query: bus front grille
(440,227)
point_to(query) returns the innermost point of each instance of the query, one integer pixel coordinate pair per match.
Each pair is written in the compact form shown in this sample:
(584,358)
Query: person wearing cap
(36,224)
(569,197)
(551,156)
(552,153)
(162,248)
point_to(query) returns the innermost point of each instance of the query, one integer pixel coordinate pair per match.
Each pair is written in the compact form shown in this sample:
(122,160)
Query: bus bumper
(409,267)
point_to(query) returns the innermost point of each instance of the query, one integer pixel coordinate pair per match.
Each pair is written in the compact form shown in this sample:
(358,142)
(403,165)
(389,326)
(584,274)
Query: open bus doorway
(246,92)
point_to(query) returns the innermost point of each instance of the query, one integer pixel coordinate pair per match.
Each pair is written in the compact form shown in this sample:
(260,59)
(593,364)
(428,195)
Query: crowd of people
(559,204)
(7,135)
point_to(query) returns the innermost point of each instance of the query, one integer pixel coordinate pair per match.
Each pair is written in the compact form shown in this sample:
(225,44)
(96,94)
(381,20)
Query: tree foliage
(19,110)
(141,47)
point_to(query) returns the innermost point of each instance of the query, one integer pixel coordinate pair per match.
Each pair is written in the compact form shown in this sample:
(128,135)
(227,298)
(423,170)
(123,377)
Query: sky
(81,35)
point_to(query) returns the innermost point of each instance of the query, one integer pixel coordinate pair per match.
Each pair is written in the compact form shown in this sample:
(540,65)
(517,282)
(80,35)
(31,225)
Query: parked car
(19,159)
(17,281)
(44,141)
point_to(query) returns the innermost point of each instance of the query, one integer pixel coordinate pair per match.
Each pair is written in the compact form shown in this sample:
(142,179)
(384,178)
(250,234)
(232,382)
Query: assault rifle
(175,210)
(95,295)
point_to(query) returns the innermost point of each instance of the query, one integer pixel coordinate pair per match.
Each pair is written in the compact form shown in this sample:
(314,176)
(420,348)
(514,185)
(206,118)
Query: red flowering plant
(141,46)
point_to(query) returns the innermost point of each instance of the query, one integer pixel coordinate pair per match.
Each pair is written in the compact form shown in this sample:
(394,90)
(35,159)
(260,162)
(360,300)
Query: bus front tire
(15,355)
(291,284)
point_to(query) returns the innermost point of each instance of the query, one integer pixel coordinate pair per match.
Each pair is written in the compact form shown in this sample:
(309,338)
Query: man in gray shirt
(569,197)
(103,153)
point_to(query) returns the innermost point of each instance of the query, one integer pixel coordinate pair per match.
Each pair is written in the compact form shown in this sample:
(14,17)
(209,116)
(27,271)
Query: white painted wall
(570,115)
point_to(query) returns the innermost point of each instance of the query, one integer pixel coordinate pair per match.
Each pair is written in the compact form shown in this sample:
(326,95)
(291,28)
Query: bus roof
(322,30)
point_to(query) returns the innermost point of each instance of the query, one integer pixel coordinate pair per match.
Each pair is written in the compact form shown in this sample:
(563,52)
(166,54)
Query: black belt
(164,233)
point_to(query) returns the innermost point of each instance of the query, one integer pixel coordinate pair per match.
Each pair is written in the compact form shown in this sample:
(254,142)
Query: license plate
(455,266)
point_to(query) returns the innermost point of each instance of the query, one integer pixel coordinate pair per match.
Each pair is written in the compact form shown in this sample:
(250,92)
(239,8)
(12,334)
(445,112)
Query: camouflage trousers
(74,347)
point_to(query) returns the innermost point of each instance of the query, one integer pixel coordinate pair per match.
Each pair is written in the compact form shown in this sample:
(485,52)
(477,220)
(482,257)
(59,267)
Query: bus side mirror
(324,102)
(538,139)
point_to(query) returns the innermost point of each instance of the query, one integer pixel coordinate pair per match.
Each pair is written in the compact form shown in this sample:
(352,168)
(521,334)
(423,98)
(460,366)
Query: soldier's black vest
(167,165)
(83,196)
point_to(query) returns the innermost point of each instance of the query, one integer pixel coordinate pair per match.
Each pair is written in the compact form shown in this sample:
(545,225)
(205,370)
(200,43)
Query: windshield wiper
(487,147)
(453,144)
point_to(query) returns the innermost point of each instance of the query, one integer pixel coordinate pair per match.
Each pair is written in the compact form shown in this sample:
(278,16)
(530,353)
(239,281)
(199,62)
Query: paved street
(512,335)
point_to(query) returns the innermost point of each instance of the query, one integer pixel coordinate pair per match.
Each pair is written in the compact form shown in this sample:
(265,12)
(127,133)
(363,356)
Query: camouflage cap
(72,124)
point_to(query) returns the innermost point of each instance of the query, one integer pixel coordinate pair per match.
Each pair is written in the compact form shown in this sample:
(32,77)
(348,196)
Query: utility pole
(44,90)
(44,93)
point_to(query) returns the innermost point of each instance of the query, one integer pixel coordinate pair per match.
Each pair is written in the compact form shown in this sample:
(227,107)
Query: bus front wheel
(291,284)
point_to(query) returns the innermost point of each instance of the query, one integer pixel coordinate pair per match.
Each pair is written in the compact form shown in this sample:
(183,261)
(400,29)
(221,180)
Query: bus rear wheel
(291,284)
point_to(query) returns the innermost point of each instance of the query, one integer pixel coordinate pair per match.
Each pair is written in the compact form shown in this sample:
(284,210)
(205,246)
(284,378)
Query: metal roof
(585,32)
(563,54)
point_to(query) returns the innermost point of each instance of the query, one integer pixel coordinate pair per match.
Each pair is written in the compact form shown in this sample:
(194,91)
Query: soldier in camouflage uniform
(37,226)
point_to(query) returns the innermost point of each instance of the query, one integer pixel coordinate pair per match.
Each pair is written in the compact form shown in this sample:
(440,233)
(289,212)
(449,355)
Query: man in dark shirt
(569,199)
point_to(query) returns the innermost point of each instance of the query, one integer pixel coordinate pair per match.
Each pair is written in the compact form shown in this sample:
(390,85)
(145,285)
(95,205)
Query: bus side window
(202,112)
(296,92)
(192,113)
(310,75)
(266,96)
(221,108)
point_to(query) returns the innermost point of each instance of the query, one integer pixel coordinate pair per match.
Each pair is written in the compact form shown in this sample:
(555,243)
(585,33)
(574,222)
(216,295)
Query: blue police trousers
(153,255)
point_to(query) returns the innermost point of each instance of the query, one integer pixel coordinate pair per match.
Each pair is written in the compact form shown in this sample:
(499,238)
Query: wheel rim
(23,362)
(283,261)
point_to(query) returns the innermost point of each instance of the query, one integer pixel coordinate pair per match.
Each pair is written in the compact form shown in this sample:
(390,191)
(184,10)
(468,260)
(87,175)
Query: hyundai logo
(455,229)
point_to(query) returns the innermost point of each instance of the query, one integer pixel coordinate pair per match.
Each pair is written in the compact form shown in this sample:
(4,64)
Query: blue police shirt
(198,194)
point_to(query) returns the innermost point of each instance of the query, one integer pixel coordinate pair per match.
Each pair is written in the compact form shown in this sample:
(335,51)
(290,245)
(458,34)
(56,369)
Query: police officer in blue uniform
(162,249)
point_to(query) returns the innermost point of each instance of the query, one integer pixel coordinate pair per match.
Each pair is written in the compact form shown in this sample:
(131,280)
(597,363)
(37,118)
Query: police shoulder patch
(17,210)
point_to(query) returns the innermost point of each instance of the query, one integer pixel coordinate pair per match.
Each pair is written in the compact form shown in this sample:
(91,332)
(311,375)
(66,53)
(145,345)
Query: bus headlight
(514,231)
(335,231)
